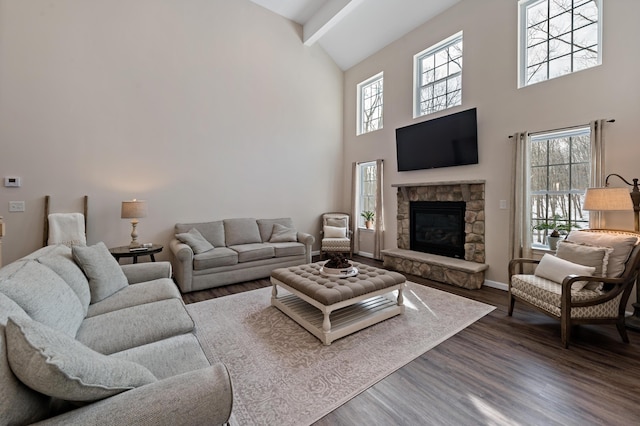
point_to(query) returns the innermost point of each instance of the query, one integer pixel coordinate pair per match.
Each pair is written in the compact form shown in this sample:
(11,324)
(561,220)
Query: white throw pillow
(334,232)
(555,269)
(621,244)
(57,365)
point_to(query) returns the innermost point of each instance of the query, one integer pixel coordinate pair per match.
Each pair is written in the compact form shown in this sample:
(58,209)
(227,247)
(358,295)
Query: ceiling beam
(326,18)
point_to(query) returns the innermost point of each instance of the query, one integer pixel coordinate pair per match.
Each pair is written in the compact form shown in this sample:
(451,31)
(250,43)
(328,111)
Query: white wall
(490,85)
(207,109)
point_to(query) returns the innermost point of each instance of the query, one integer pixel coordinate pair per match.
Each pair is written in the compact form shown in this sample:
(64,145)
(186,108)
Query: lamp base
(632,322)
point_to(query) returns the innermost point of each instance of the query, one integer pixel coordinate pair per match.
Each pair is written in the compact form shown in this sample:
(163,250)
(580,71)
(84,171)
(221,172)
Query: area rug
(283,375)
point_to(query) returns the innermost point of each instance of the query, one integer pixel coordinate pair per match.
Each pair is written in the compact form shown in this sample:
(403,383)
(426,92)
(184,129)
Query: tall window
(370,104)
(367,190)
(438,77)
(558,37)
(560,175)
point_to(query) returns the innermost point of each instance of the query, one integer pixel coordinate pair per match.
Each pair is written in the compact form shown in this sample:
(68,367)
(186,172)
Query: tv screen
(447,141)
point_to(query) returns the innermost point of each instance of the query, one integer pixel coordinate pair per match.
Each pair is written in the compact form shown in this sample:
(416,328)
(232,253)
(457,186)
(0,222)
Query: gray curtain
(597,166)
(355,183)
(379,222)
(520,219)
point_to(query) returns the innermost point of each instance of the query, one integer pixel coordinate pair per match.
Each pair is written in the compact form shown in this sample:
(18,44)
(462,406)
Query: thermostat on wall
(12,181)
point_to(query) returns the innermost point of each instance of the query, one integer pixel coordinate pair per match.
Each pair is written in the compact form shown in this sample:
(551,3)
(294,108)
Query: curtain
(379,222)
(355,184)
(597,166)
(520,219)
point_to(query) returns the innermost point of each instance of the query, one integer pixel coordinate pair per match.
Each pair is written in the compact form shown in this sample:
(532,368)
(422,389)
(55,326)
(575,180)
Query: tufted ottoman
(356,302)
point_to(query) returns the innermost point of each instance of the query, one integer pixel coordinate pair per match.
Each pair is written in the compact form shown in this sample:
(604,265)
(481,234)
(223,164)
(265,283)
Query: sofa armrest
(202,396)
(307,240)
(142,272)
(182,264)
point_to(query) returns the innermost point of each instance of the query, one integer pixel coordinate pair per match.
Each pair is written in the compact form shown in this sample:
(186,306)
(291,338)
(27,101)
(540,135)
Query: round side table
(124,251)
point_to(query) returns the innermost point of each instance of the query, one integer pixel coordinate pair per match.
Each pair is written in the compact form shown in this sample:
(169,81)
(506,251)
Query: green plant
(368,215)
(555,226)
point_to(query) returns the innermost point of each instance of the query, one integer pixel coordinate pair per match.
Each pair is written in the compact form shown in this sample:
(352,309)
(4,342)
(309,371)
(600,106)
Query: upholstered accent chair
(336,235)
(588,280)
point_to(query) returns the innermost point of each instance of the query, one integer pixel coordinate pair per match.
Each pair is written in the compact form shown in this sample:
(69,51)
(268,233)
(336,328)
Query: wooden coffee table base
(332,322)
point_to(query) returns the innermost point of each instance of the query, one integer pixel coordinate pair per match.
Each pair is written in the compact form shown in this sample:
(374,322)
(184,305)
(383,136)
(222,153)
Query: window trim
(522,40)
(359,111)
(360,204)
(417,71)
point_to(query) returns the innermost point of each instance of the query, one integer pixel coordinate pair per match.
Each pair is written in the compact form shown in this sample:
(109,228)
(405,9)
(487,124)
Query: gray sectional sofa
(85,341)
(212,254)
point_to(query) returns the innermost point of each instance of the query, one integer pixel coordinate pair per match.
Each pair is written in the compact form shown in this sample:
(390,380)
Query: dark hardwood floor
(501,370)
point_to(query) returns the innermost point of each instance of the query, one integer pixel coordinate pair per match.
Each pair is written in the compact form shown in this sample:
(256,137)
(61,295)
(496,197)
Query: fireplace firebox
(437,227)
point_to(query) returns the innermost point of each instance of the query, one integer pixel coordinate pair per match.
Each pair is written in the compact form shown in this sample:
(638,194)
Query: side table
(124,251)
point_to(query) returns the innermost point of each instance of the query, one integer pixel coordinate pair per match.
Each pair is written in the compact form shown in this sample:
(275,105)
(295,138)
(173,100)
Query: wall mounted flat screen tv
(446,141)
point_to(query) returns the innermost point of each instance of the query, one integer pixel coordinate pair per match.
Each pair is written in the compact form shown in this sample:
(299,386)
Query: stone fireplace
(463,266)
(437,227)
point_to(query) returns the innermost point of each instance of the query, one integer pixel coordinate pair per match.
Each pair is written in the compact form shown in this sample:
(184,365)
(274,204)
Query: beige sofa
(86,341)
(212,254)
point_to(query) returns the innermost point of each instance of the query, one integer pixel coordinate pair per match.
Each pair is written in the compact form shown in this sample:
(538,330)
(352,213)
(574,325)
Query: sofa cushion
(56,364)
(44,296)
(211,231)
(241,231)
(266,226)
(249,252)
(195,240)
(282,234)
(134,326)
(102,269)
(61,262)
(288,249)
(219,256)
(19,404)
(136,294)
(621,244)
(555,269)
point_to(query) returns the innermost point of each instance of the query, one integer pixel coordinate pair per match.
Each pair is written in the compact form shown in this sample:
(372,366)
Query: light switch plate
(16,206)
(12,181)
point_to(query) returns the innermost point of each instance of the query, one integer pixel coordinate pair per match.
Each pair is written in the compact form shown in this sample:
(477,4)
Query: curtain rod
(613,120)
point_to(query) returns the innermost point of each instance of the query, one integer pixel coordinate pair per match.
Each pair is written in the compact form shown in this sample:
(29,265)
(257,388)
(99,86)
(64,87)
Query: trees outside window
(438,77)
(370,103)
(558,37)
(367,190)
(560,174)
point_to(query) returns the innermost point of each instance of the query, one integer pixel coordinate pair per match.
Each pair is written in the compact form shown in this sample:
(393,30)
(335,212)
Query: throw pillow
(587,255)
(621,244)
(195,240)
(555,269)
(339,222)
(57,365)
(101,268)
(282,234)
(334,232)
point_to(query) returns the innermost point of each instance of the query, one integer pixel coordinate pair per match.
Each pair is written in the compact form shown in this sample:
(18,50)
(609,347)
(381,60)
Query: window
(367,190)
(438,77)
(370,104)
(558,37)
(560,164)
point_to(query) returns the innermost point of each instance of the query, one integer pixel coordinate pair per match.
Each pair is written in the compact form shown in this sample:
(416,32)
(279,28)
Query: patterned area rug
(283,375)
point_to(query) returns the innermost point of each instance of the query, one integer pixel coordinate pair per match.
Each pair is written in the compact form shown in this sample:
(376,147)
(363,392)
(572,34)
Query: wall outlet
(503,204)
(16,206)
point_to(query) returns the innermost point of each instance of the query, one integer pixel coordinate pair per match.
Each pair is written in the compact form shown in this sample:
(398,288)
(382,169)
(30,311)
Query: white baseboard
(496,284)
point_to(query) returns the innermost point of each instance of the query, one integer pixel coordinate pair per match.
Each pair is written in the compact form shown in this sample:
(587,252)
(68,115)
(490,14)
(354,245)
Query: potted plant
(368,216)
(552,239)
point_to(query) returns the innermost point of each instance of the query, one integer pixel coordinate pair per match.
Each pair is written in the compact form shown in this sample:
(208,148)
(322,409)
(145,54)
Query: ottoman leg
(326,323)
(400,297)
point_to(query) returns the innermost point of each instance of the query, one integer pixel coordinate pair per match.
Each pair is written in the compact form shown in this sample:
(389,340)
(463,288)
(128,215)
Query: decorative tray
(351,271)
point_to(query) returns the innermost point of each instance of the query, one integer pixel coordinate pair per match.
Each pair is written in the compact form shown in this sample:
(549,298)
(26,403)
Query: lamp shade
(607,199)
(134,209)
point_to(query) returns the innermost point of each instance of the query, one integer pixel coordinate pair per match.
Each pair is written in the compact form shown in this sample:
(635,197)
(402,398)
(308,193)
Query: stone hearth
(467,273)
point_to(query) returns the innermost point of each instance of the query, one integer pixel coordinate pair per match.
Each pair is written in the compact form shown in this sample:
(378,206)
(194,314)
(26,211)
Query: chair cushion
(56,364)
(195,240)
(104,273)
(334,232)
(555,269)
(583,254)
(621,244)
(547,295)
(241,231)
(336,244)
(282,234)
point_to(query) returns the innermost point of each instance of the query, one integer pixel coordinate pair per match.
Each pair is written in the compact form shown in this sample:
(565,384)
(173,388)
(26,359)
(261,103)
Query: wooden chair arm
(520,261)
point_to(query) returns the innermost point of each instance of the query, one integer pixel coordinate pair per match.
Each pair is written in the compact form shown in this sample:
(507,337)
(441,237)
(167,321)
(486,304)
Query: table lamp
(134,210)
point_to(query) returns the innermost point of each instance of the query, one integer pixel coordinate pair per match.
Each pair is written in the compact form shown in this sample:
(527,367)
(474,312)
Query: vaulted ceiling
(351,30)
